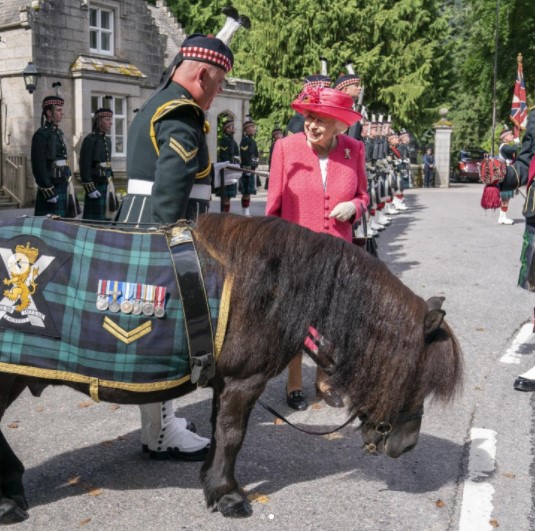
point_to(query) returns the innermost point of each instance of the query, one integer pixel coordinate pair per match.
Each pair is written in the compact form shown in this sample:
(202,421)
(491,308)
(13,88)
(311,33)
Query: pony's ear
(432,321)
(435,303)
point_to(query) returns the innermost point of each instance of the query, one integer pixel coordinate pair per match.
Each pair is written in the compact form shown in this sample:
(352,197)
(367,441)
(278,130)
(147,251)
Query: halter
(384,428)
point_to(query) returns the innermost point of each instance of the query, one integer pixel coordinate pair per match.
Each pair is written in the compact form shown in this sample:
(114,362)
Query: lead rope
(284,419)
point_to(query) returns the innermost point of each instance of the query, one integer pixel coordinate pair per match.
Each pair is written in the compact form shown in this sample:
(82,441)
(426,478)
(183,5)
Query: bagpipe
(492,171)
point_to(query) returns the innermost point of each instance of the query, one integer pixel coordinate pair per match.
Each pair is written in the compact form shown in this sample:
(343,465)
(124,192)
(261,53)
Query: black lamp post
(30,75)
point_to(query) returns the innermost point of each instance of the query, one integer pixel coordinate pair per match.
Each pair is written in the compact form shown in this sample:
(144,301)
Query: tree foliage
(414,56)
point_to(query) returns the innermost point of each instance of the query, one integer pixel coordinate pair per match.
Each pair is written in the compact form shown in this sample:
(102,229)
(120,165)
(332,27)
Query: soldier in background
(169,178)
(50,165)
(351,84)
(276,134)
(249,161)
(228,151)
(404,150)
(396,163)
(95,167)
(506,152)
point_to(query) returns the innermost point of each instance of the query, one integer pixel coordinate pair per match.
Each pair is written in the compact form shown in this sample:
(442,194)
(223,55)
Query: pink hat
(327,102)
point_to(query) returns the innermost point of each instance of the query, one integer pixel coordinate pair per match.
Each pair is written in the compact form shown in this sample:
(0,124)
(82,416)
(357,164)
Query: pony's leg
(13,502)
(231,407)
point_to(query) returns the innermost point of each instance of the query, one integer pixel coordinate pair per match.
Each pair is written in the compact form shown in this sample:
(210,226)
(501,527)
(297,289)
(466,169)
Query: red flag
(519,107)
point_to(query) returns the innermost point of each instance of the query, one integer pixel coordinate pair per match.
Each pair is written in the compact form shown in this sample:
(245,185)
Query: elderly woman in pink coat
(317,179)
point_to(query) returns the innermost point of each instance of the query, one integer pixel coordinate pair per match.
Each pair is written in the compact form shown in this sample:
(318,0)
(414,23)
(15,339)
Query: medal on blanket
(148,304)
(159,310)
(102,298)
(114,304)
(127,305)
(136,305)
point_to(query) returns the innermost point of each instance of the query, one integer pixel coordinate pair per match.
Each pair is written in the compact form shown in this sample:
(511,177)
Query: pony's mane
(287,278)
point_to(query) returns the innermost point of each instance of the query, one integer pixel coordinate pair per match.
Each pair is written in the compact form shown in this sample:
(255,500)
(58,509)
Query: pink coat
(296,191)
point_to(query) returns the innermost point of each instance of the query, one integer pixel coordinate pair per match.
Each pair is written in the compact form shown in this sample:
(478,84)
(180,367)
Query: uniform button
(326,216)
(326,227)
(327,207)
(327,197)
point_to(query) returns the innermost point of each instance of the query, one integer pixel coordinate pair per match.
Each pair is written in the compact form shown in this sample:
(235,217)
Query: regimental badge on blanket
(26,266)
(131,297)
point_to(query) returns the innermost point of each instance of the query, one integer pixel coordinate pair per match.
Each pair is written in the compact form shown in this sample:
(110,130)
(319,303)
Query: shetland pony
(386,350)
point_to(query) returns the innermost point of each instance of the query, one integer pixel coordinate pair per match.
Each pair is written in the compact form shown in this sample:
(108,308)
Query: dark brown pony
(385,348)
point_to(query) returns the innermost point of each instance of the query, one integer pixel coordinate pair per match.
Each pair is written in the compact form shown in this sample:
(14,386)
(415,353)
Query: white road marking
(512,355)
(476,509)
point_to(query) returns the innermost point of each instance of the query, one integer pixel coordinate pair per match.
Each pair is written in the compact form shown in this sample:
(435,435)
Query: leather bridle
(384,428)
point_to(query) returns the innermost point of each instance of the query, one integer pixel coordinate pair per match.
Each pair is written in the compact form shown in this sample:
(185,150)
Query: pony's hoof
(234,506)
(11,513)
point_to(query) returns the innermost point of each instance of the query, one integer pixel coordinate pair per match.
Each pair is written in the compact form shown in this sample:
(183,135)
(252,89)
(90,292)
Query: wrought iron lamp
(30,75)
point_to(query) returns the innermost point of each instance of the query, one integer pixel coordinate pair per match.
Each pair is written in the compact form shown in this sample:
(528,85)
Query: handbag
(368,243)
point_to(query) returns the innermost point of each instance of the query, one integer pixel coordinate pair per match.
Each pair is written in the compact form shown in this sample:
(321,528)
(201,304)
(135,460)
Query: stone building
(95,53)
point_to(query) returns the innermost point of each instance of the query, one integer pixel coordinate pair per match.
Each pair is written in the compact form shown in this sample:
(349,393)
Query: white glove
(343,211)
(53,199)
(95,194)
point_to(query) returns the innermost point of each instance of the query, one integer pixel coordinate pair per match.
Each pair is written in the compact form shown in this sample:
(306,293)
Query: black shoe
(524,384)
(175,453)
(331,398)
(296,400)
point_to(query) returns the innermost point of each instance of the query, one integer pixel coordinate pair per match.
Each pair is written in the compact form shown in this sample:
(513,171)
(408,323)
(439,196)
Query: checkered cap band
(347,83)
(207,56)
(53,100)
(317,83)
(101,113)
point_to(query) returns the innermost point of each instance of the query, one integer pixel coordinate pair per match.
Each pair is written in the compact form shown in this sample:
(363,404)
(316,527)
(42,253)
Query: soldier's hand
(95,194)
(53,199)
(343,211)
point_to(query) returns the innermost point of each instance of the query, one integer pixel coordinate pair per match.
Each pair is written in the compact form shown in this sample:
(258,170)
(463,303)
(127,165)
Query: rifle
(361,98)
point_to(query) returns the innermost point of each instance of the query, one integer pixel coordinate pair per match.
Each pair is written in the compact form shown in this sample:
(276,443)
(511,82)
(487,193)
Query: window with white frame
(118,129)
(101,34)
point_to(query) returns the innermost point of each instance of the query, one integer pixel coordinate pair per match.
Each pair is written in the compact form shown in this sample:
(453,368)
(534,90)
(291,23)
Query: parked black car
(466,165)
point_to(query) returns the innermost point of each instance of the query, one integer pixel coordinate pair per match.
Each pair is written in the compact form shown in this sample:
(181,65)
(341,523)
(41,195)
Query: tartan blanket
(50,326)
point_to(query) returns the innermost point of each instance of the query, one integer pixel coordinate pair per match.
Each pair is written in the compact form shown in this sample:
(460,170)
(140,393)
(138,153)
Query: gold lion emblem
(22,276)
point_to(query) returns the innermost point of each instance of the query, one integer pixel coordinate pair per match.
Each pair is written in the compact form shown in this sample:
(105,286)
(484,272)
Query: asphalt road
(84,467)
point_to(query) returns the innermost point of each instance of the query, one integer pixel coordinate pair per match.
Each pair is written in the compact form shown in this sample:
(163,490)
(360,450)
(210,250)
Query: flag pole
(495,76)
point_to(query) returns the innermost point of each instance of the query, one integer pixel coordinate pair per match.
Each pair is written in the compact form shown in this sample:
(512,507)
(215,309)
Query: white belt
(139,187)
(60,163)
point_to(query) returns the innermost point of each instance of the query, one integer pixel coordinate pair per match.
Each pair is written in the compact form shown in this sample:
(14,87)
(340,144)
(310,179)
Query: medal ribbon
(160,295)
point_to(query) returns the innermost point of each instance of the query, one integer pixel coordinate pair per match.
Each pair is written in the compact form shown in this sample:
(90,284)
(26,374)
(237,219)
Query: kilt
(43,208)
(248,184)
(62,332)
(231,190)
(137,208)
(96,208)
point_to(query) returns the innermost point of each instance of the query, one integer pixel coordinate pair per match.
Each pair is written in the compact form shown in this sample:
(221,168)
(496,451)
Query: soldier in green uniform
(249,161)
(49,161)
(95,165)
(168,165)
(169,178)
(228,151)
(276,134)
(350,84)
